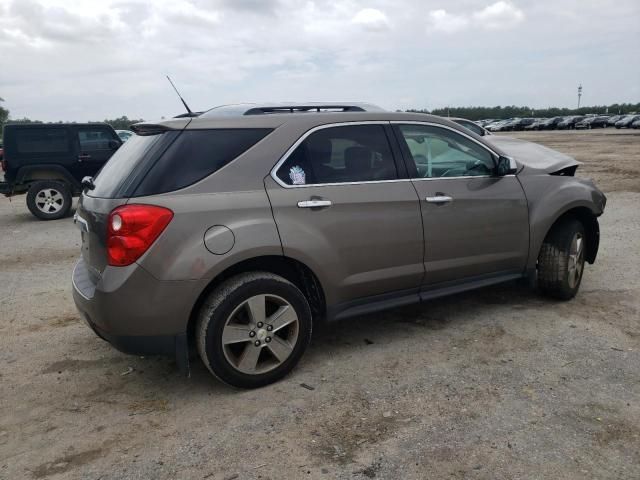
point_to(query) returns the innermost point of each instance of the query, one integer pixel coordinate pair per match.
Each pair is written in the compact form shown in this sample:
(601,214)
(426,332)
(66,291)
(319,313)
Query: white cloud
(442,21)
(88,59)
(371,19)
(499,15)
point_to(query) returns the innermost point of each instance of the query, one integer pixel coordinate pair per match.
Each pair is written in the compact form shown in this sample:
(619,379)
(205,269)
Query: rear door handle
(83,156)
(314,204)
(439,199)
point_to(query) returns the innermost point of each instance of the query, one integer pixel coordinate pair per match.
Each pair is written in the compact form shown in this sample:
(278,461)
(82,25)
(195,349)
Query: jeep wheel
(49,200)
(253,329)
(561,260)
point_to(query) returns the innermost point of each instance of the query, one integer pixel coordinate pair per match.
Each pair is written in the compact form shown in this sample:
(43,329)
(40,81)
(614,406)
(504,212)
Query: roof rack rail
(241,109)
(303,108)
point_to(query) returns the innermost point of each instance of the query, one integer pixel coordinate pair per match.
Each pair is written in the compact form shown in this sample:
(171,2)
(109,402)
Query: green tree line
(499,112)
(120,123)
(472,113)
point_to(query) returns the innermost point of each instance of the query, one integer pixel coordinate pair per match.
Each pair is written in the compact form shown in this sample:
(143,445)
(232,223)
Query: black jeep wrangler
(49,161)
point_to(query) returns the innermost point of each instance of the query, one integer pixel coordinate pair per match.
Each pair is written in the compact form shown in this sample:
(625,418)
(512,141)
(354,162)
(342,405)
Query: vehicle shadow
(336,342)
(340,340)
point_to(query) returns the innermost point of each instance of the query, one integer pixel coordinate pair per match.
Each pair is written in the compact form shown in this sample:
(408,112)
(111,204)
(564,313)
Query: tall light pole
(579,94)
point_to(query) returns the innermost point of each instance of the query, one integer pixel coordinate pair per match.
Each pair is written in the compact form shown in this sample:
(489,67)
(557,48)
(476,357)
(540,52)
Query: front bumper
(135,312)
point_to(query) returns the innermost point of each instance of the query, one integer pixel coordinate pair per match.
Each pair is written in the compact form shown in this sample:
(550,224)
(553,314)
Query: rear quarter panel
(180,253)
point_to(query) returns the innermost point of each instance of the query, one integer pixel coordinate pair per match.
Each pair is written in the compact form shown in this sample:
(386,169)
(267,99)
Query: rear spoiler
(146,129)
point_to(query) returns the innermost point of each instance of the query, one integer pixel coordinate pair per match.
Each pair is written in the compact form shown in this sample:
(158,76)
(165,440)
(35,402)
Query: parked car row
(570,122)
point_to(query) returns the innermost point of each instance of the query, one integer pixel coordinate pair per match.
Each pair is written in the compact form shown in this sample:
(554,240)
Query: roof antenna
(190,113)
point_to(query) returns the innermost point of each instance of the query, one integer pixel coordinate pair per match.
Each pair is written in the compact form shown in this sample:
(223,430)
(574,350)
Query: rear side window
(196,154)
(41,140)
(356,153)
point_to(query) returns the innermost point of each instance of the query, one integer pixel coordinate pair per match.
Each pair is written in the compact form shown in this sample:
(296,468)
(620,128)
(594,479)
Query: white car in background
(125,134)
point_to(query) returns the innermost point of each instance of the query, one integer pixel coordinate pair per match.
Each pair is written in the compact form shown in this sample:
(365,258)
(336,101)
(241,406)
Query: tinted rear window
(129,163)
(196,154)
(41,140)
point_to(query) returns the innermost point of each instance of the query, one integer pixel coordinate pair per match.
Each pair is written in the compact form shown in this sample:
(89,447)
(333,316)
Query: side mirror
(114,144)
(506,166)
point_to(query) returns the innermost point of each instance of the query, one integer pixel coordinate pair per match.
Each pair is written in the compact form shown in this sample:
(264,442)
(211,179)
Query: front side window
(438,152)
(356,153)
(94,139)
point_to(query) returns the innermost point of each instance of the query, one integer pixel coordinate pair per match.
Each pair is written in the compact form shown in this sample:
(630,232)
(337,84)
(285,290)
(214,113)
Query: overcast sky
(90,59)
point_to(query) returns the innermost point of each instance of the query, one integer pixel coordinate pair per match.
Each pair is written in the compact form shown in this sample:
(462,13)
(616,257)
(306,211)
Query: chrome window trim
(463,177)
(304,136)
(447,127)
(512,162)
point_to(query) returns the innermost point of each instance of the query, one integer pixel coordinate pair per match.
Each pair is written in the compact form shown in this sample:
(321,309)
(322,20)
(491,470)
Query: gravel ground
(493,384)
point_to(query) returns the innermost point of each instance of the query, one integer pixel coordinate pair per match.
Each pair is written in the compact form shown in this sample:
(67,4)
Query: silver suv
(235,232)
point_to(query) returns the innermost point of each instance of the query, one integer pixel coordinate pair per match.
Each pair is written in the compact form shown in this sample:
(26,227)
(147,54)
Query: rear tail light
(132,229)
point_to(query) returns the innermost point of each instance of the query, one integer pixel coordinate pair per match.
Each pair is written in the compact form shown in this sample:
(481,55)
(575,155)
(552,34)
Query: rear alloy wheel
(253,329)
(49,200)
(561,260)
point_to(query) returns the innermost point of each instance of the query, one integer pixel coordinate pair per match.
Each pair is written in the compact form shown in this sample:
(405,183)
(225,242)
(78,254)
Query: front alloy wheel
(575,260)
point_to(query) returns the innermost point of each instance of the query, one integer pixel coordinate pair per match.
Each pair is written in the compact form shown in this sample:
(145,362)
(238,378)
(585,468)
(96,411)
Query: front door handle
(439,199)
(314,204)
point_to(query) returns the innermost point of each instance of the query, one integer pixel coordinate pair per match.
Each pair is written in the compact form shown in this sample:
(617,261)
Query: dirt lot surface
(493,384)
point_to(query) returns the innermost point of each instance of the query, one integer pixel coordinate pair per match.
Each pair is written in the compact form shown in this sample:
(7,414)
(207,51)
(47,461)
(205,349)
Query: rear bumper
(135,312)
(136,345)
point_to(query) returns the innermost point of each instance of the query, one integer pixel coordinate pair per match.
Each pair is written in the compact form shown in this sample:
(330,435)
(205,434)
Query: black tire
(556,277)
(49,199)
(221,306)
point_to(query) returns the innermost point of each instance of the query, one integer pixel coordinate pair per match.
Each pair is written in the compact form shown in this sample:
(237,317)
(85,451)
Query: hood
(533,155)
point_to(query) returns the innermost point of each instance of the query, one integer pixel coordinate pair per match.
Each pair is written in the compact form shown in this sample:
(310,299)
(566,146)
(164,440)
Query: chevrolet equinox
(234,231)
